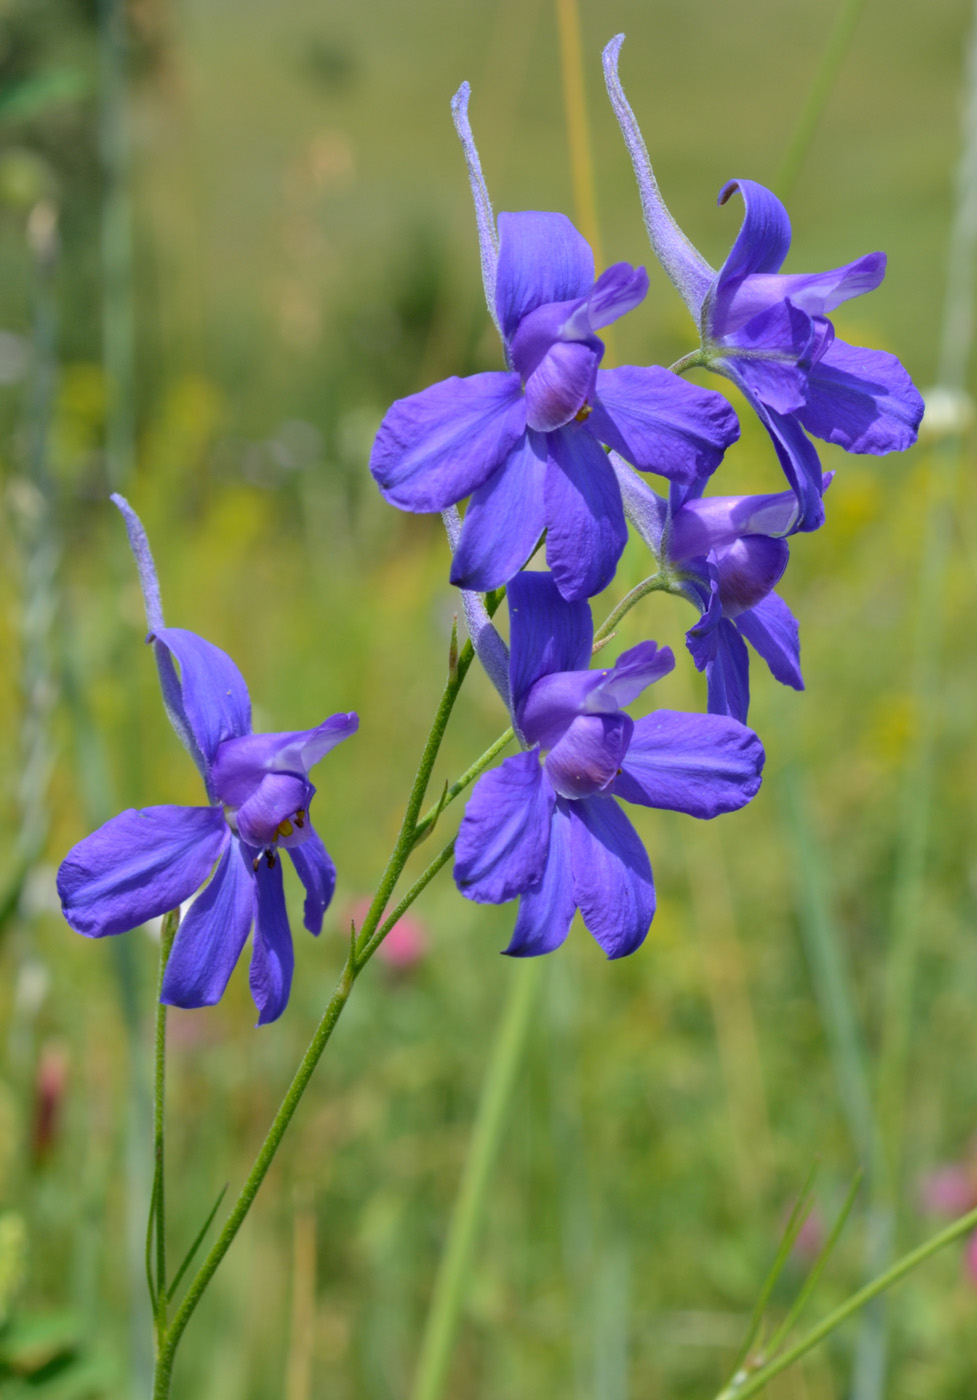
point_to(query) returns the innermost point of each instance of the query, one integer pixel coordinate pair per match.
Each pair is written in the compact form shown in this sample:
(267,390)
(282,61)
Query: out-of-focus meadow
(303,252)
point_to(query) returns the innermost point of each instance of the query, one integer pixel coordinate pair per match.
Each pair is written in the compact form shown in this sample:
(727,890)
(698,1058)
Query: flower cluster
(552,448)
(547,449)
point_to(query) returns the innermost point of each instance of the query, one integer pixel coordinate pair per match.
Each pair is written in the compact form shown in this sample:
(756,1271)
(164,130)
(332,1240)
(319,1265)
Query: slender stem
(171,923)
(907,909)
(407,836)
(657,583)
(744,1385)
(361,949)
(820,1264)
(830,972)
(325,1028)
(575,115)
(690,361)
(449,1285)
(839,41)
(422,881)
(117,294)
(467,778)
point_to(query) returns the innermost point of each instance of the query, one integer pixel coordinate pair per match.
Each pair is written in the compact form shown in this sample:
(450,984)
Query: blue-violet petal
(139,865)
(612,881)
(700,764)
(437,447)
(209,940)
(542,258)
(547,908)
(272,956)
(504,834)
(586,529)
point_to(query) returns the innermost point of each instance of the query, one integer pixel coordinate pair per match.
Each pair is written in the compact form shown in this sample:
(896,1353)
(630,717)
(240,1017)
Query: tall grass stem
(908,887)
(836,50)
(118,319)
(578,132)
(454,1269)
(743,1385)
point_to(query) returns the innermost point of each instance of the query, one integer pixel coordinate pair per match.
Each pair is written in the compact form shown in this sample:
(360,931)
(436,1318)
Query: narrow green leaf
(751,1385)
(149,1238)
(38,94)
(793,1228)
(188,1260)
(818,1267)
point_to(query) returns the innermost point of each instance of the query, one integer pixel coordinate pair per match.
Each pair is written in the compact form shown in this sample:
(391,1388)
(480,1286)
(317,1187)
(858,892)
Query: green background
(303,253)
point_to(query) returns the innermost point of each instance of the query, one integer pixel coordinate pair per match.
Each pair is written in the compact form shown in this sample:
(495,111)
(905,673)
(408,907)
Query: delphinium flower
(145,862)
(769,332)
(725,554)
(546,825)
(526,443)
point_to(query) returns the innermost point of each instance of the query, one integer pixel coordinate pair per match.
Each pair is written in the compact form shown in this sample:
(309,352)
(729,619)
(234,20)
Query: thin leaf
(424,828)
(153,1199)
(818,1267)
(793,1228)
(188,1260)
(35,96)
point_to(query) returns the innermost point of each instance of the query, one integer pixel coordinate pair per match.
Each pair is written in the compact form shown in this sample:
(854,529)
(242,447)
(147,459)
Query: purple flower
(769,332)
(950,1190)
(143,863)
(525,443)
(725,554)
(545,825)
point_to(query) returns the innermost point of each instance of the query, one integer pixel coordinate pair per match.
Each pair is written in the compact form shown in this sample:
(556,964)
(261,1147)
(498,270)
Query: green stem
(745,1385)
(837,47)
(657,583)
(117,296)
(431,816)
(407,837)
(449,1285)
(361,950)
(325,1028)
(422,881)
(578,134)
(692,360)
(171,923)
(907,910)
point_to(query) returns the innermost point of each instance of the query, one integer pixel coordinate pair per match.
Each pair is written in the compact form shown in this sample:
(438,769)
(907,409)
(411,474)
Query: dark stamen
(270,857)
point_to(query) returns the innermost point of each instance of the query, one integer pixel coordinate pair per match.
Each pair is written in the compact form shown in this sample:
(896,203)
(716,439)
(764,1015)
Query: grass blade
(820,1264)
(798,1215)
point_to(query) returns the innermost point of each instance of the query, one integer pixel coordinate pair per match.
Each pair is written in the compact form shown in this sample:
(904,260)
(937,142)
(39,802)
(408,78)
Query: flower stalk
(362,947)
(158,1290)
(750,1381)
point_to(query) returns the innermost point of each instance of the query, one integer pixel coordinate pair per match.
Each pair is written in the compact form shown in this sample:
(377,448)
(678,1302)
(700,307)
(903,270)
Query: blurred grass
(304,252)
